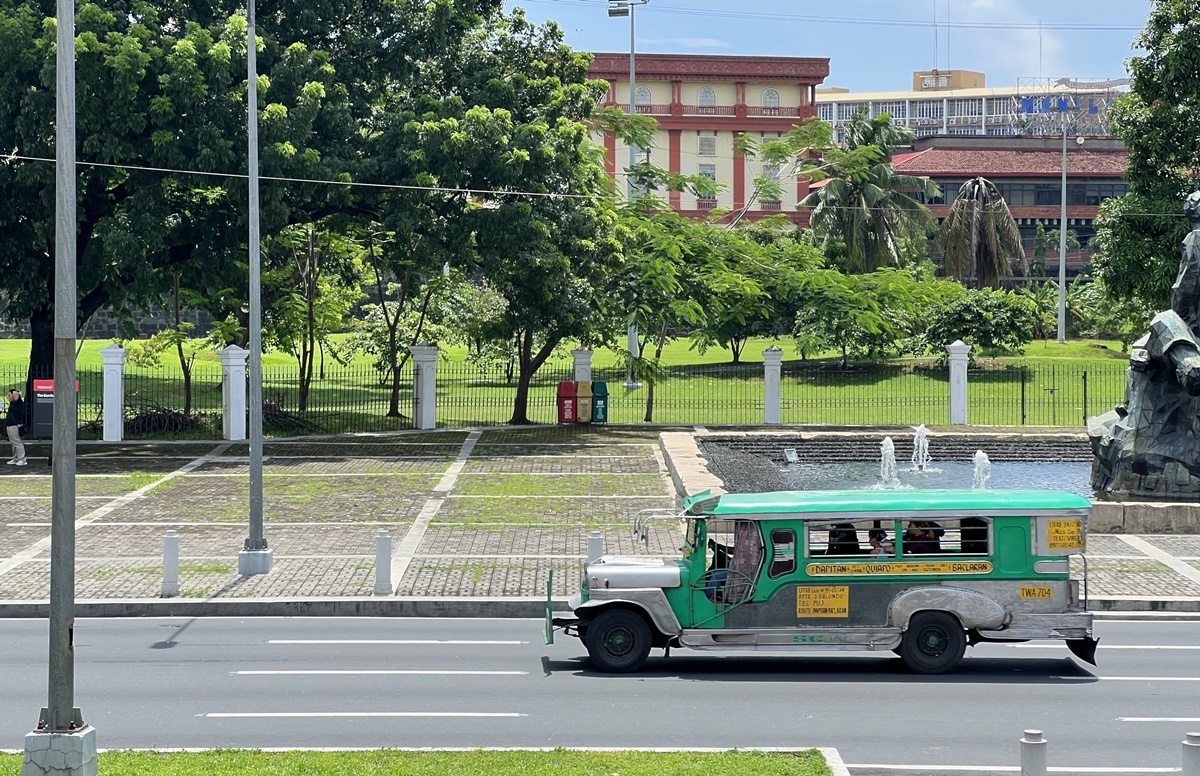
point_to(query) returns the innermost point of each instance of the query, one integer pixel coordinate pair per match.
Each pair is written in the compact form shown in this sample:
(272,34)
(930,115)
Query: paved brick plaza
(485,513)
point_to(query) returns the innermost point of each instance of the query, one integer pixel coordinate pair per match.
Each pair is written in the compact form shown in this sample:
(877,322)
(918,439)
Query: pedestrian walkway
(472,514)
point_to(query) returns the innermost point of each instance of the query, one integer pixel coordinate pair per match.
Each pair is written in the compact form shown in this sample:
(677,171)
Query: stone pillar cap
(958,346)
(113,354)
(232,354)
(772,355)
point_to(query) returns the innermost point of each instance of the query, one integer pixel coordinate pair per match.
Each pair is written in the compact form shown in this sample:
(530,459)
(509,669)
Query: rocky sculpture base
(1175,482)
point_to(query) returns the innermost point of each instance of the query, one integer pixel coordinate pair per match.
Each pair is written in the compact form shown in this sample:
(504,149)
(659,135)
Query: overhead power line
(657,8)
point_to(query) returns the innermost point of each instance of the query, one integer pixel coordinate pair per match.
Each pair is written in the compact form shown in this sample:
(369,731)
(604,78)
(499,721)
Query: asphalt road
(318,682)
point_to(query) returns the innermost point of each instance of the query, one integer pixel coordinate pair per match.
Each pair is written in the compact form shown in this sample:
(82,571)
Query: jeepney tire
(618,641)
(933,643)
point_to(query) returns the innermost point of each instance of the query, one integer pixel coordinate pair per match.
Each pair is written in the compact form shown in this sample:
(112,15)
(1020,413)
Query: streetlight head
(618,10)
(1080,140)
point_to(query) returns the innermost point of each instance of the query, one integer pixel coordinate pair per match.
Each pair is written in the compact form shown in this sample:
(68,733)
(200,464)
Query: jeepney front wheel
(618,641)
(933,643)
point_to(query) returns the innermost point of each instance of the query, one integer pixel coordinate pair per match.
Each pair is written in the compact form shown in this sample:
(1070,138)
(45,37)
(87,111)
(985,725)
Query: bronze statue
(1150,445)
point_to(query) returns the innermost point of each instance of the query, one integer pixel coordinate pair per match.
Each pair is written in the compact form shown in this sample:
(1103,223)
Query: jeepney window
(748,549)
(783,553)
(692,538)
(841,538)
(957,536)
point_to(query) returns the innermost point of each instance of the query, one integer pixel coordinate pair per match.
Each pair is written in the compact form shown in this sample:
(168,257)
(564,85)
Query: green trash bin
(599,401)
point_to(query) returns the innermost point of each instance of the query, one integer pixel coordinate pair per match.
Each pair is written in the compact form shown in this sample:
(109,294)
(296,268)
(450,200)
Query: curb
(506,608)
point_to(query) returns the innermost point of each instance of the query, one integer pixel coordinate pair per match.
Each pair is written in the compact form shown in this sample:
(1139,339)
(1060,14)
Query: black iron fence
(342,399)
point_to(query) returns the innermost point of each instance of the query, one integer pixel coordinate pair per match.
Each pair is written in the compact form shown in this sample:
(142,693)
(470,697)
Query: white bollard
(170,586)
(1033,754)
(1191,754)
(383,563)
(595,546)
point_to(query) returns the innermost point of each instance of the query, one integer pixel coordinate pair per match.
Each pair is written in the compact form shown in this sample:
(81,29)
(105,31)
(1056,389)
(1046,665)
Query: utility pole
(1062,241)
(255,558)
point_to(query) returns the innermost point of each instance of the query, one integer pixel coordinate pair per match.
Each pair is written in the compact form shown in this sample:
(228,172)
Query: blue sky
(878,55)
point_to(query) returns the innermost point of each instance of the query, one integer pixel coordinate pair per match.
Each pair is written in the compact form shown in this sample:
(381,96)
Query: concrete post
(1033,754)
(583,364)
(383,562)
(69,753)
(424,385)
(1191,754)
(233,392)
(772,369)
(114,392)
(595,546)
(958,351)
(170,586)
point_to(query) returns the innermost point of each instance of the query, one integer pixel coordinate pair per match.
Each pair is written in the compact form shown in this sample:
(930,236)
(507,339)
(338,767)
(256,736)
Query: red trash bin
(566,402)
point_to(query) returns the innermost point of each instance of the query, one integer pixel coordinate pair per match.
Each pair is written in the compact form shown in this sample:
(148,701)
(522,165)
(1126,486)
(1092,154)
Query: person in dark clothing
(12,426)
(923,537)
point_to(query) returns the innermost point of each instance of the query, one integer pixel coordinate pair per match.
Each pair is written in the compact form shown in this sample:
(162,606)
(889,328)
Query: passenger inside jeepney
(718,570)
(843,540)
(923,537)
(881,545)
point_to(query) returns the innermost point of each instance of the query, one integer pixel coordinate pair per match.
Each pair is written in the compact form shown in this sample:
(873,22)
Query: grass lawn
(234,762)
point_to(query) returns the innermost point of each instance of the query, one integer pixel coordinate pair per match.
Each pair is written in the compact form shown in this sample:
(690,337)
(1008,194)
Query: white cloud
(1004,54)
(699,43)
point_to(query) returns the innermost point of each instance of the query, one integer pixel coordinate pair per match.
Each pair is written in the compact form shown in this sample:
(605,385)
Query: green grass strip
(235,762)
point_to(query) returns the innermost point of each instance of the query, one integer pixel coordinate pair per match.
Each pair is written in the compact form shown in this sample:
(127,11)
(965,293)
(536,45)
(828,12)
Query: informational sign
(1064,534)
(823,601)
(904,568)
(1037,592)
(43,408)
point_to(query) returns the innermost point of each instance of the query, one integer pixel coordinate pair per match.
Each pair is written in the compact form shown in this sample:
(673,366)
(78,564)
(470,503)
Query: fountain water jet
(920,456)
(889,473)
(983,470)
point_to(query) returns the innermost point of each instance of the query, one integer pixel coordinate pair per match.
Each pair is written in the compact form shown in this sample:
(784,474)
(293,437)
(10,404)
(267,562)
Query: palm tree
(979,237)
(875,210)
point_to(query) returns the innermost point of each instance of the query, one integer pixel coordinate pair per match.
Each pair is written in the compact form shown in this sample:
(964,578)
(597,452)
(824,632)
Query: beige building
(947,80)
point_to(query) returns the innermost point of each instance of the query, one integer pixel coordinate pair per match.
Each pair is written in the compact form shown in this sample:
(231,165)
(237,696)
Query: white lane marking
(1178,566)
(379,672)
(47,498)
(1158,719)
(407,548)
(35,549)
(1003,768)
(351,714)
(590,497)
(456,642)
(1132,678)
(259,715)
(1106,647)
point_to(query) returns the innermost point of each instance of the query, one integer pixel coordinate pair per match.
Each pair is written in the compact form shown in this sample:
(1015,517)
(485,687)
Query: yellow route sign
(1064,534)
(823,601)
(894,568)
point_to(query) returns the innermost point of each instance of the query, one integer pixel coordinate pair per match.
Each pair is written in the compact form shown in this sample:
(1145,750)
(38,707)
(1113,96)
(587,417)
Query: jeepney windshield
(691,539)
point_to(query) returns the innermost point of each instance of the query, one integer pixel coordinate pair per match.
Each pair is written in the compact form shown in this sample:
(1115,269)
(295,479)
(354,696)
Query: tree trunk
(658,349)
(736,346)
(529,363)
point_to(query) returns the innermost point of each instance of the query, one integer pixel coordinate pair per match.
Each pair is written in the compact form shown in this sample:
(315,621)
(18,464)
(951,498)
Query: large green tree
(873,211)
(1159,122)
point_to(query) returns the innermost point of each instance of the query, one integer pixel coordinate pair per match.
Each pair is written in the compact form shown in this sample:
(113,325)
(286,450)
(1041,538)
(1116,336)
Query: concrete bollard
(170,586)
(1191,754)
(383,563)
(595,547)
(1033,754)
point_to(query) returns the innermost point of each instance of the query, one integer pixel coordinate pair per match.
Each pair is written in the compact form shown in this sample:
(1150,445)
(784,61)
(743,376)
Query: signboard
(43,407)
(1064,534)
(1037,592)
(903,568)
(823,601)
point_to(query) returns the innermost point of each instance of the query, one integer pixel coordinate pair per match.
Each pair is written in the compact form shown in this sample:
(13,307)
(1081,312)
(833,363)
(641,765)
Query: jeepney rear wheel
(933,643)
(618,641)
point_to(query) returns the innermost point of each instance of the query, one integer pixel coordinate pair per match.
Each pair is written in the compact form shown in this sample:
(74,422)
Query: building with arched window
(714,100)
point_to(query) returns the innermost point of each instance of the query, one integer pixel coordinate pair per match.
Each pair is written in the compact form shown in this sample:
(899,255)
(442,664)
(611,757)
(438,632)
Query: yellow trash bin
(583,397)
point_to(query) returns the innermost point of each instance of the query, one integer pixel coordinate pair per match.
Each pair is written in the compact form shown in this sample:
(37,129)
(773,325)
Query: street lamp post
(618,8)
(1062,242)
(255,557)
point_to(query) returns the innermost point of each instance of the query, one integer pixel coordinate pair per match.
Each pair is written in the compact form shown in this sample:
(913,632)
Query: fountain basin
(1052,460)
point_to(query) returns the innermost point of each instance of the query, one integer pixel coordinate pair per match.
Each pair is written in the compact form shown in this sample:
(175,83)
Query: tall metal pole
(256,540)
(1062,244)
(61,701)
(633,341)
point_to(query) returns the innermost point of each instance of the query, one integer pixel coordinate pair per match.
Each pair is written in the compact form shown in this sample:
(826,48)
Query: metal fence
(343,399)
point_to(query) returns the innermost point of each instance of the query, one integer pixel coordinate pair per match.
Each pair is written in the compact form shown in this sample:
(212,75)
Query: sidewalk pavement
(478,519)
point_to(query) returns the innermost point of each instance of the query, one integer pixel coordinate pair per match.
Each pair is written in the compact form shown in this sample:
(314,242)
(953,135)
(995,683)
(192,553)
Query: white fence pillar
(233,391)
(1191,754)
(1033,754)
(424,385)
(383,562)
(772,369)
(170,586)
(959,352)
(583,364)
(114,392)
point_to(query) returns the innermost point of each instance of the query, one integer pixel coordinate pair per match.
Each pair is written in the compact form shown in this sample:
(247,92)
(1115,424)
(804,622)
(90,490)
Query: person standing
(12,426)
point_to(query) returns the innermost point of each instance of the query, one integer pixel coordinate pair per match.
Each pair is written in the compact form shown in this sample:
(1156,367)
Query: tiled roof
(1010,162)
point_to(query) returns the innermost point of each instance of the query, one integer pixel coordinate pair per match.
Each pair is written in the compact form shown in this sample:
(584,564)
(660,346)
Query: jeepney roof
(876,502)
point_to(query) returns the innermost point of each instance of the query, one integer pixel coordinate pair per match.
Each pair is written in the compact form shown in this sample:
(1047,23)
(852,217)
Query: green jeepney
(923,573)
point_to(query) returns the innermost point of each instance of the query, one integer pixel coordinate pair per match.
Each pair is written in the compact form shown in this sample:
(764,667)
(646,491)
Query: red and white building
(702,104)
